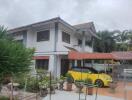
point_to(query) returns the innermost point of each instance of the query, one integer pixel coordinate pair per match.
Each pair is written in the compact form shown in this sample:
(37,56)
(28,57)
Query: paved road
(63,95)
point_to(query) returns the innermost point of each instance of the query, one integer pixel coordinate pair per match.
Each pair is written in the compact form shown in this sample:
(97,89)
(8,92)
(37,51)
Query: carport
(75,56)
(79,56)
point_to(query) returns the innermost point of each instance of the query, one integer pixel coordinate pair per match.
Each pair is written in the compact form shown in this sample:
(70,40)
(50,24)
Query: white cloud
(106,14)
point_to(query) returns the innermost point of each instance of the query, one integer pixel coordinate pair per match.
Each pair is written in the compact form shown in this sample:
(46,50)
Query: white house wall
(18,37)
(42,46)
(73,40)
(30,39)
(60,44)
(47,48)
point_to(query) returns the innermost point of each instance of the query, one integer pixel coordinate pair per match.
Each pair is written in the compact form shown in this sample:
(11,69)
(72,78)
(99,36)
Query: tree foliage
(14,57)
(106,43)
(122,40)
(113,41)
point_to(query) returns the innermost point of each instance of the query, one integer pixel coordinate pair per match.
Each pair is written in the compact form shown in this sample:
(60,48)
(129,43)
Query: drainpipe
(55,49)
(93,43)
(83,41)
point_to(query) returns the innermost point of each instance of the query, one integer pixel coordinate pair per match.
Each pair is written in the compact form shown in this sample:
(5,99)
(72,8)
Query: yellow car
(83,73)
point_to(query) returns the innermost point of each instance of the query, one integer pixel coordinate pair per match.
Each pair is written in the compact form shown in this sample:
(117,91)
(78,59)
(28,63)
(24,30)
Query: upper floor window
(66,37)
(20,41)
(43,35)
(79,42)
(88,43)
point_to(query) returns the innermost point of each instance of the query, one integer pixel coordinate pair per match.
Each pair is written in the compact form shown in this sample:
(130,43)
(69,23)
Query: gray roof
(31,25)
(56,19)
(89,27)
(85,26)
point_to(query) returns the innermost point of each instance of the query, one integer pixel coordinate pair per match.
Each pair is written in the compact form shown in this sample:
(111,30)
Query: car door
(87,73)
(83,74)
(76,74)
(79,74)
(92,75)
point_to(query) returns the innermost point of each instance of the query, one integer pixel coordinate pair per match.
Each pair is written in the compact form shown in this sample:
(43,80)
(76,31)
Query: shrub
(88,81)
(30,81)
(32,85)
(21,79)
(4,98)
(69,78)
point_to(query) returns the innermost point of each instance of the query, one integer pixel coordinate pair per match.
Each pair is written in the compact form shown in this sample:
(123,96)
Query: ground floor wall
(57,64)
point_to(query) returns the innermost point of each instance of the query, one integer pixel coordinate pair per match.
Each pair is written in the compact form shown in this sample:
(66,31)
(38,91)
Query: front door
(64,66)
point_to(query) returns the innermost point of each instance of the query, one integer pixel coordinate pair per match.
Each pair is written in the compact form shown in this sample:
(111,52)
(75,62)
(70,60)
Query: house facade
(52,40)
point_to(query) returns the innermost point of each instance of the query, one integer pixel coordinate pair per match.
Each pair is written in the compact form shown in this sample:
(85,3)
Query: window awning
(40,57)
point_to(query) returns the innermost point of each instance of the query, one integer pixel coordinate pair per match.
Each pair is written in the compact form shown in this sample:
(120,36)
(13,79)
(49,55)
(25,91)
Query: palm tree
(130,41)
(121,38)
(107,42)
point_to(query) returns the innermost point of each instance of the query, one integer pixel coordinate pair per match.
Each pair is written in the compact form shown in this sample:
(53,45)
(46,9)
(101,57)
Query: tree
(130,41)
(14,57)
(122,38)
(106,43)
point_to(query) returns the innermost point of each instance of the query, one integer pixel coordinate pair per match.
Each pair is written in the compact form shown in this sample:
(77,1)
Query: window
(42,64)
(79,42)
(65,37)
(20,41)
(88,43)
(43,35)
(78,63)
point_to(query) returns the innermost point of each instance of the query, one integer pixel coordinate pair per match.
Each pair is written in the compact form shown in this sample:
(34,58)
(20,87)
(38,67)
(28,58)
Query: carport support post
(70,65)
(83,41)
(105,66)
(112,69)
(92,63)
(82,63)
(75,63)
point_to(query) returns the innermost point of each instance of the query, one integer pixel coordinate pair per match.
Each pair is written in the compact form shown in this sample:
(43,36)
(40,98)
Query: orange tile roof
(79,55)
(126,55)
(114,55)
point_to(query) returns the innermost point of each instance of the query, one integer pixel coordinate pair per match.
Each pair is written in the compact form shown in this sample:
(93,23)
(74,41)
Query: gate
(127,78)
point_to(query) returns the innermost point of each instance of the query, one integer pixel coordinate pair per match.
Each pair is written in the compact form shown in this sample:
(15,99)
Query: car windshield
(85,70)
(93,70)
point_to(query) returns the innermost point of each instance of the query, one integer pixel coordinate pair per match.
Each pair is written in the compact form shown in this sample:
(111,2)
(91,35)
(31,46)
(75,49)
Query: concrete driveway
(64,95)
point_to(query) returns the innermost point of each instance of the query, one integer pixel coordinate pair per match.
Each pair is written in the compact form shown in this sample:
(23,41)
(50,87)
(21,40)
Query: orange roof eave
(78,55)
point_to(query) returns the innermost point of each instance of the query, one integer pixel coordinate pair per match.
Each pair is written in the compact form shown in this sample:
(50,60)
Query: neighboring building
(52,39)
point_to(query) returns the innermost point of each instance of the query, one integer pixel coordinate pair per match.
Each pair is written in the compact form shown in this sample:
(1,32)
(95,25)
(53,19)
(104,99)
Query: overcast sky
(106,14)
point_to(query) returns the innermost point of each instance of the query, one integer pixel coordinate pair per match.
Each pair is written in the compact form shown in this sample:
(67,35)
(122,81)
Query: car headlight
(107,78)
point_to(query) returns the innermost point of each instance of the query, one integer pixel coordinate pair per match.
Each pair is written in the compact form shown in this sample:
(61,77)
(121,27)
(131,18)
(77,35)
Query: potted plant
(69,80)
(7,78)
(79,86)
(112,86)
(61,82)
(0,87)
(89,86)
(43,85)
(52,86)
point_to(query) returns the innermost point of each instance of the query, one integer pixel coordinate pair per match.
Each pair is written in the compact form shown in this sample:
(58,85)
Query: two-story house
(52,40)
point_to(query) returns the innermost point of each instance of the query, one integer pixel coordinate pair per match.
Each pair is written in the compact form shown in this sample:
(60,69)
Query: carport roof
(104,56)
(122,55)
(80,55)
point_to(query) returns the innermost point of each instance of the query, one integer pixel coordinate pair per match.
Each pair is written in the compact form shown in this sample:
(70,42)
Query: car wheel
(99,82)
